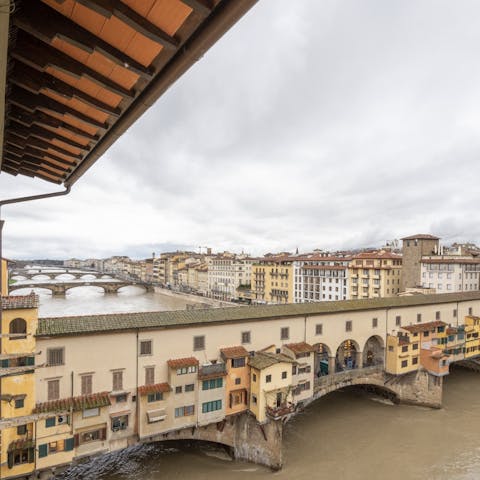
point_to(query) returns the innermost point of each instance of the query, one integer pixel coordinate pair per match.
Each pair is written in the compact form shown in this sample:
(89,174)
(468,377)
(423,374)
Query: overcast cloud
(312,124)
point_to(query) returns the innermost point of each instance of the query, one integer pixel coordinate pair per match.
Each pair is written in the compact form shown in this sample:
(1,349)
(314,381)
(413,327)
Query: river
(345,435)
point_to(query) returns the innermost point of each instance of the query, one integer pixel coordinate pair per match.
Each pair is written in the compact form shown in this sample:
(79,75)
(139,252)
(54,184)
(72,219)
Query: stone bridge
(59,289)
(55,275)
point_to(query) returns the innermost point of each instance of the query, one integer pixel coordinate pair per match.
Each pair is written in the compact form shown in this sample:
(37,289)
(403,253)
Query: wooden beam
(203,7)
(32,102)
(34,81)
(43,119)
(41,56)
(59,26)
(48,135)
(123,12)
(34,152)
(14,139)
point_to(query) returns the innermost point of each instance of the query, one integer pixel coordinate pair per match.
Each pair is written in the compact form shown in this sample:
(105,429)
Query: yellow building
(271,386)
(472,336)
(17,384)
(403,353)
(272,280)
(4,273)
(374,274)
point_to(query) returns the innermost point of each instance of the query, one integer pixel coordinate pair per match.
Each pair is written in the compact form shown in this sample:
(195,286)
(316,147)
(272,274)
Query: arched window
(18,325)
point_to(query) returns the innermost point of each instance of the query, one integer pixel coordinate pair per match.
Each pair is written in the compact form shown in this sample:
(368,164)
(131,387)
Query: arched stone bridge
(55,275)
(61,288)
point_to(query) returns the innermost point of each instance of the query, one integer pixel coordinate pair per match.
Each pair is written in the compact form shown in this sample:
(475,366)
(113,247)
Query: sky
(328,124)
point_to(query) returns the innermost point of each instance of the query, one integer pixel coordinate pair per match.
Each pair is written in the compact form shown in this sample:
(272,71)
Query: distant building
(272,280)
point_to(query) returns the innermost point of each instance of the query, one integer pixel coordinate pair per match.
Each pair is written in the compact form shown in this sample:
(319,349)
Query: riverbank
(206,301)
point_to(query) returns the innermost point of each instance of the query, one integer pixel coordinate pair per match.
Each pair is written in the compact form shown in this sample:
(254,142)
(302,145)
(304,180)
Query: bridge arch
(30,288)
(322,363)
(374,351)
(347,355)
(72,287)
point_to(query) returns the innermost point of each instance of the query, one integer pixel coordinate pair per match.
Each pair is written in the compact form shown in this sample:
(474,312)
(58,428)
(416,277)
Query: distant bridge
(59,289)
(29,275)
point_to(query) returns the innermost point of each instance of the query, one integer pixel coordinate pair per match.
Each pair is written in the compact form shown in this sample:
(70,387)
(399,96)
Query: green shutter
(151,397)
(5,363)
(43,450)
(69,442)
(205,385)
(219,382)
(30,360)
(50,422)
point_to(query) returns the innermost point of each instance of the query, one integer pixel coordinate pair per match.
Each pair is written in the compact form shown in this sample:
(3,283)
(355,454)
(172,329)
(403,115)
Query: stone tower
(413,249)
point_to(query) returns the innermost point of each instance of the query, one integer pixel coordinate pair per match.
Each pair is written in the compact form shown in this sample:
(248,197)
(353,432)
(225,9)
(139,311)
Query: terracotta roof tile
(421,236)
(301,347)
(423,327)
(83,402)
(460,261)
(14,302)
(234,352)
(182,362)
(155,388)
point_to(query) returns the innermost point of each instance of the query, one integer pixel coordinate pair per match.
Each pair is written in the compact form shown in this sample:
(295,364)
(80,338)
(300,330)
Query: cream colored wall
(208,396)
(147,429)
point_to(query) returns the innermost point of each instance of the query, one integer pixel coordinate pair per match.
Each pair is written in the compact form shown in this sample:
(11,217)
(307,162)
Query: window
(18,457)
(268,378)
(190,387)
(415,346)
(211,406)
(390,348)
(246,337)
(184,411)
(319,329)
(238,381)
(21,430)
(254,377)
(18,327)
(238,362)
(92,436)
(454,313)
(374,322)
(19,402)
(55,356)
(419,317)
(398,320)
(145,347)
(470,310)
(50,422)
(149,375)
(437,315)
(284,375)
(86,381)
(178,389)
(254,399)
(53,389)
(185,370)
(199,342)
(117,380)
(119,423)
(348,326)
(284,333)
(121,398)
(405,348)
(212,383)
(414,360)
(404,363)
(154,397)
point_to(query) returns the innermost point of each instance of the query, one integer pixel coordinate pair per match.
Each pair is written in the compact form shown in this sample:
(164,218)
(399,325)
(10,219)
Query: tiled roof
(460,261)
(301,347)
(83,402)
(379,254)
(423,327)
(155,388)
(182,362)
(263,360)
(14,302)
(78,325)
(234,352)
(421,236)
(324,267)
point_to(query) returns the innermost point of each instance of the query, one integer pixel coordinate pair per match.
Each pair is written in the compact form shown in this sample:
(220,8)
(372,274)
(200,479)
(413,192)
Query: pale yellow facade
(272,281)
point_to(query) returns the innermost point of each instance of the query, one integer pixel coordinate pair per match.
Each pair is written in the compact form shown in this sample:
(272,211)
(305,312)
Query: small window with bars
(199,342)
(145,347)
(117,380)
(246,337)
(55,356)
(149,375)
(86,384)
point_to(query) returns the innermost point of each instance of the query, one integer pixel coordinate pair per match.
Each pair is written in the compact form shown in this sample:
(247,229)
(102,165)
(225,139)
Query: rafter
(48,135)
(45,120)
(41,154)
(31,102)
(59,26)
(34,81)
(123,12)
(41,56)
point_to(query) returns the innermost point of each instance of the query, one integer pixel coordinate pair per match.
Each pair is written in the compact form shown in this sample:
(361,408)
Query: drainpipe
(2,222)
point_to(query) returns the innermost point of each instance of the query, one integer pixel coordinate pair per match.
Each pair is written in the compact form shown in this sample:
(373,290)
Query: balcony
(275,413)
(211,371)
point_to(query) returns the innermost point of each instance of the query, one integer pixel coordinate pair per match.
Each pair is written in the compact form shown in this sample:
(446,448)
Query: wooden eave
(79,73)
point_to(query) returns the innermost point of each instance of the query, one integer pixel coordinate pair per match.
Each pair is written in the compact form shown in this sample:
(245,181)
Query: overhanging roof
(80,72)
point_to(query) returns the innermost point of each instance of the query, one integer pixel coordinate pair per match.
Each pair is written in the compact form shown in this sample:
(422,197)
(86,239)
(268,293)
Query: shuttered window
(55,356)
(149,375)
(86,384)
(43,450)
(117,380)
(53,389)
